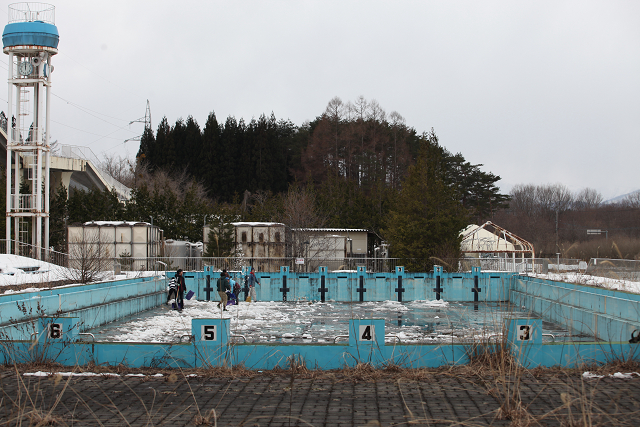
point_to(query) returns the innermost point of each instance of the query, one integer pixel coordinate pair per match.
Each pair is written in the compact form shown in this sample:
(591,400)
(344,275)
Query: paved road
(327,399)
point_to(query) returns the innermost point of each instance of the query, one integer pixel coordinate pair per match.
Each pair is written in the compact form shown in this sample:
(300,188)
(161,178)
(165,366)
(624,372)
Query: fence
(31,251)
(619,269)
(524,265)
(612,268)
(383,265)
(374,265)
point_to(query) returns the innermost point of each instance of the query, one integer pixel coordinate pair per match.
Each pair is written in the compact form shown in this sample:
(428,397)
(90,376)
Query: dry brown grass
(615,247)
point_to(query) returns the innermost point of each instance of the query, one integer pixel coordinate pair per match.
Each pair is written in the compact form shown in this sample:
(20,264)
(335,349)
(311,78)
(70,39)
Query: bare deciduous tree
(587,198)
(89,261)
(299,214)
(120,168)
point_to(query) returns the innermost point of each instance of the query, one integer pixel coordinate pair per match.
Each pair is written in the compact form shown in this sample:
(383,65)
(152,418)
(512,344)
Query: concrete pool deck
(331,399)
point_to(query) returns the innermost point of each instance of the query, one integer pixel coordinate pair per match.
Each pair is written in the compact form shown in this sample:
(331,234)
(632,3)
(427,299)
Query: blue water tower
(30,39)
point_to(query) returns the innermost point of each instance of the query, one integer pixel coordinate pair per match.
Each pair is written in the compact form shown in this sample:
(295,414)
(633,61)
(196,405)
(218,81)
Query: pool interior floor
(426,322)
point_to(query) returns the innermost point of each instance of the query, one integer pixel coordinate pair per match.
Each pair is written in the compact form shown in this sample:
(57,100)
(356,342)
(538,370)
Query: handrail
(553,337)
(186,335)
(88,333)
(339,336)
(238,336)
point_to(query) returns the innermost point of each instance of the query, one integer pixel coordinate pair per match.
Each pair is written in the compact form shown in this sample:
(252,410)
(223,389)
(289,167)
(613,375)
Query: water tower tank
(31,25)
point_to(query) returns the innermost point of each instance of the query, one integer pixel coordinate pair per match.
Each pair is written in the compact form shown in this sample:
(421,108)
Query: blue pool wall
(94,304)
(609,315)
(364,286)
(222,352)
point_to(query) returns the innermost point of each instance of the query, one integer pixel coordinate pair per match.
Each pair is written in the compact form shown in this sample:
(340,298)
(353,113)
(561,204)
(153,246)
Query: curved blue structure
(36,33)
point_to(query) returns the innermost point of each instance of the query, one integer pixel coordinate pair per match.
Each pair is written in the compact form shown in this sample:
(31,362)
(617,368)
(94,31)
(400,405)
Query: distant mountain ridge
(618,199)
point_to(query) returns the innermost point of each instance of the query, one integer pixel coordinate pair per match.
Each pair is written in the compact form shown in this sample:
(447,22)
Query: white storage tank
(116,238)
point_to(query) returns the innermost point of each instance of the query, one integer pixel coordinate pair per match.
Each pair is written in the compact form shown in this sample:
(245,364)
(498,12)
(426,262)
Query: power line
(86,110)
(80,130)
(98,75)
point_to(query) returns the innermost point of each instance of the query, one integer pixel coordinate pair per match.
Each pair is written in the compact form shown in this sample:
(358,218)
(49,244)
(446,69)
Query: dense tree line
(353,154)
(226,158)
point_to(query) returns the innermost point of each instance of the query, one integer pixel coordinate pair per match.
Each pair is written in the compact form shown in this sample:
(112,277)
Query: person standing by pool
(223,285)
(181,288)
(252,285)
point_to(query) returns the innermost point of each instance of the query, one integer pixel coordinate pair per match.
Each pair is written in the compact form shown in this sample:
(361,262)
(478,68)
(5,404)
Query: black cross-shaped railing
(208,289)
(361,289)
(284,288)
(400,289)
(476,289)
(322,289)
(438,289)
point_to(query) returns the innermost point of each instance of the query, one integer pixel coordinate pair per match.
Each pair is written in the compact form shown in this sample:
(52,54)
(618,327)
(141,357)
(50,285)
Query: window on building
(261,237)
(244,237)
(277,236)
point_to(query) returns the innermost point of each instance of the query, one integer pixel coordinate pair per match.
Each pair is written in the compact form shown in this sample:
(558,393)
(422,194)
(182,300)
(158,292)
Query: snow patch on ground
(586,279)
(87,374)
(20,270)
(618,375)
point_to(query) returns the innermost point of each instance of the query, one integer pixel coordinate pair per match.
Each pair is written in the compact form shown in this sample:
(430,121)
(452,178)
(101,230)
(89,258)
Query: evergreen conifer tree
(423,226)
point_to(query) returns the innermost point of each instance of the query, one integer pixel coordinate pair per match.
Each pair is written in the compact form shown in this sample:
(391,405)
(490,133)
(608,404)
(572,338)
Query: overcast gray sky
(537,91)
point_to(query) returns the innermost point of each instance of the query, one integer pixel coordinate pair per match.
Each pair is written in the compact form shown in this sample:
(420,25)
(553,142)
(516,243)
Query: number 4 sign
(367,333)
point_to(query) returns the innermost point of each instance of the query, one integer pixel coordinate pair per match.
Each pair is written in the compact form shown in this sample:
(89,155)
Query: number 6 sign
(55,331)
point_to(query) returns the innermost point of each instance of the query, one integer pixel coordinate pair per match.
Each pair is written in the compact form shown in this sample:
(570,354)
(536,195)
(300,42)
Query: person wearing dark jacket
(173,291)
(223,287)
(181,288)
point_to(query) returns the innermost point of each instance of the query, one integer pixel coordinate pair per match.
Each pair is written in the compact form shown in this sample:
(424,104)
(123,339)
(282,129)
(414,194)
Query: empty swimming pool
(423,322)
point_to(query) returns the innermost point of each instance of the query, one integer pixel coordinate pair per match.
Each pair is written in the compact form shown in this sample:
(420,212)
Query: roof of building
(491,238)
(256,224)
(116,223)
(349,230)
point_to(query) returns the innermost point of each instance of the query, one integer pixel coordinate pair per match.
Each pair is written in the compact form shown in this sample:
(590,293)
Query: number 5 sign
(208,333)
(367,333)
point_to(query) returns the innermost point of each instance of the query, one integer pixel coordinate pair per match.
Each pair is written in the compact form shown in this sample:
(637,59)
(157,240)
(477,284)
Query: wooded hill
(353,166)
(353,150)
